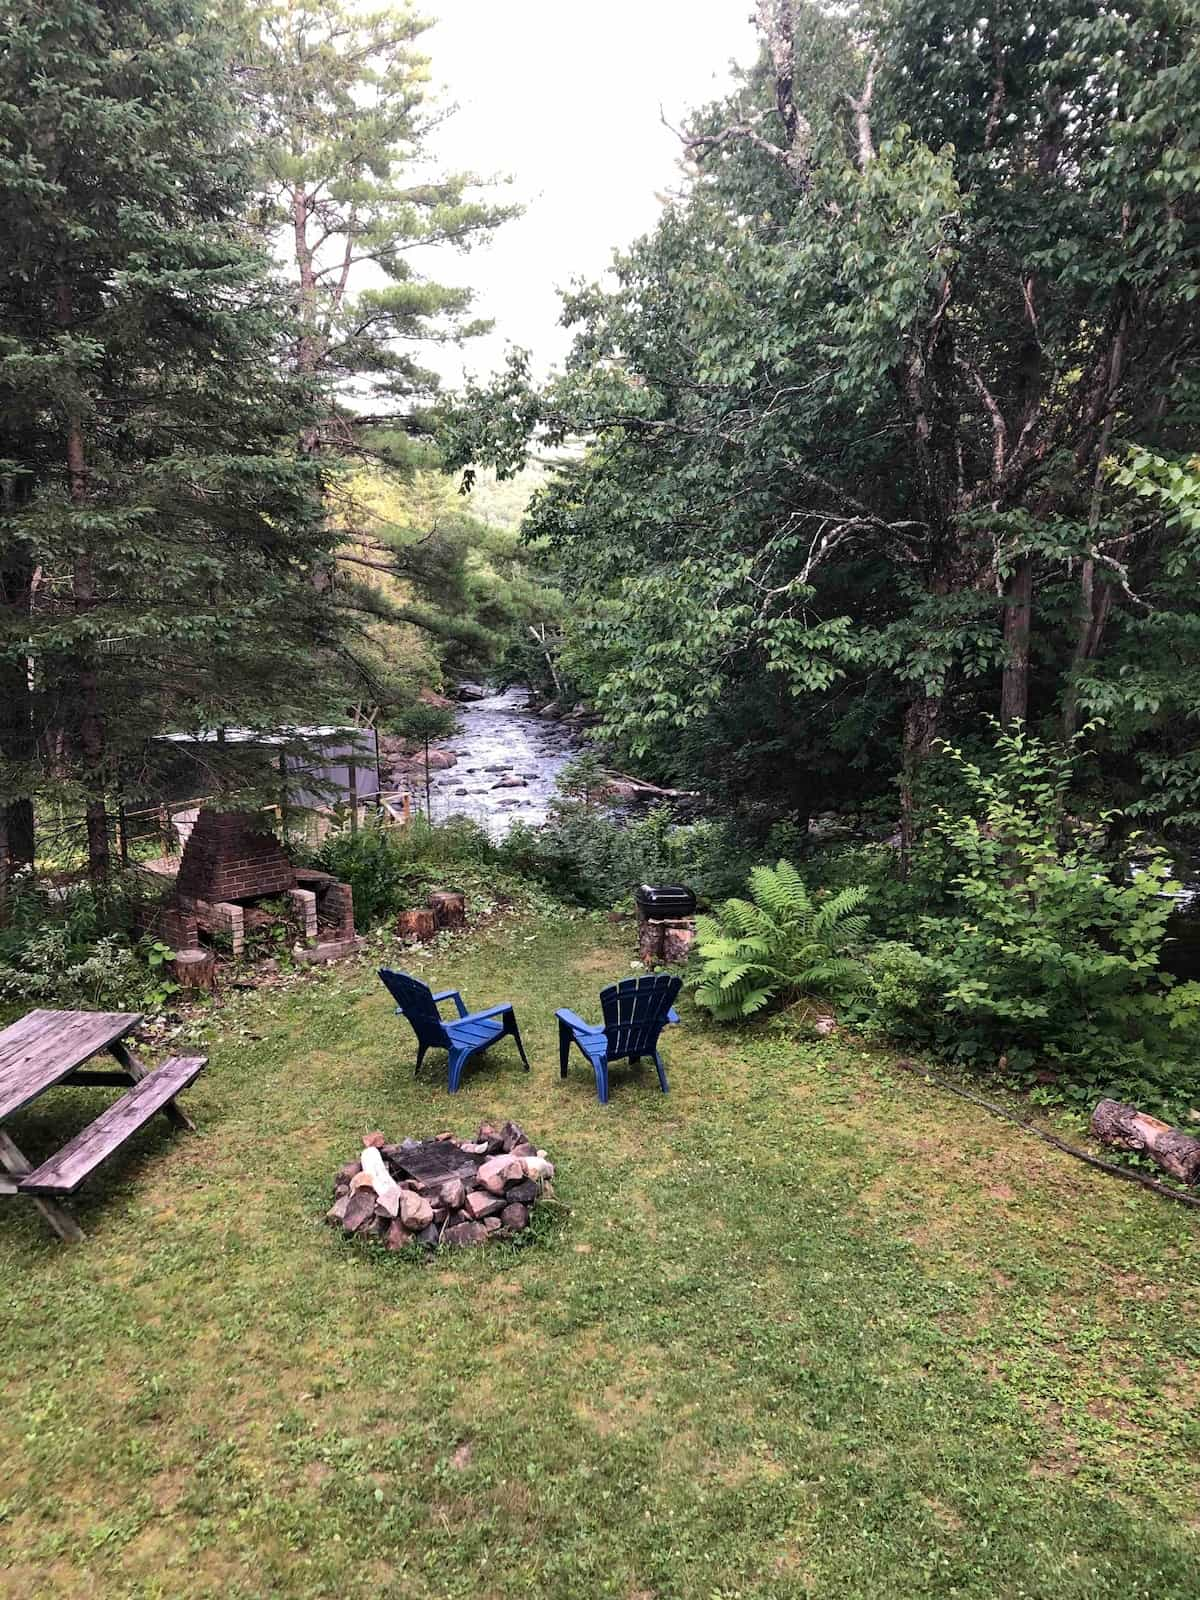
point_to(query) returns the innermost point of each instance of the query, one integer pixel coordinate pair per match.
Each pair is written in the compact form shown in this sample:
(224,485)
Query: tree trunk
(91,723)
(1018,618)
(920,729)
(1095,600)
(1127,1128)
(18,742)
(419,924)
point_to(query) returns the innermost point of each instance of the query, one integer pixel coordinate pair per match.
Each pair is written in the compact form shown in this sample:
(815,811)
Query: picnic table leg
(13,1165)
(137,1070)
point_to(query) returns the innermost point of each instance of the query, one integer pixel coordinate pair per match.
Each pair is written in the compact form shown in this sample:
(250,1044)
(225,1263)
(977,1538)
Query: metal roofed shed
(321,768)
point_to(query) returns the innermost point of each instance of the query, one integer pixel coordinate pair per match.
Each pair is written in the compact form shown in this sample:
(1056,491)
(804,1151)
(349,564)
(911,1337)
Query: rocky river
(506,760)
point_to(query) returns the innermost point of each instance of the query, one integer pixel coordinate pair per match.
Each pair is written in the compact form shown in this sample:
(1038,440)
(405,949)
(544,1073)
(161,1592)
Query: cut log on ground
(195,971)
(418,924)
(449,906)
(1127,1128)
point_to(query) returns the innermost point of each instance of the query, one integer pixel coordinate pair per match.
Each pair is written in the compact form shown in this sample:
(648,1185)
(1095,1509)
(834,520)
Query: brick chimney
(230,856)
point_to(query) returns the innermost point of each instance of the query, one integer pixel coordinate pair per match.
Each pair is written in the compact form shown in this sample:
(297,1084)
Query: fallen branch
(643,787)
(1165,1189)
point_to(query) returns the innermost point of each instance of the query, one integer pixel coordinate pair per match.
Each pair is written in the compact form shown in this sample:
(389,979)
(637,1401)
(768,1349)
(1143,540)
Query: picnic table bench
(46,1048)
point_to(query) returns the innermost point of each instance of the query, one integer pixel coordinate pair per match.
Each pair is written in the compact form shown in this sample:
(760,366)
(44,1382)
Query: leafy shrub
(1041,949)
(64,947)
(592,858)
(899,990)
(387,867)
(780,944)
(370,863)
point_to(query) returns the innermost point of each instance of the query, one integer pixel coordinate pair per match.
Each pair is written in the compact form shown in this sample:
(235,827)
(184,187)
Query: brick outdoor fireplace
(229,855)
(229,863)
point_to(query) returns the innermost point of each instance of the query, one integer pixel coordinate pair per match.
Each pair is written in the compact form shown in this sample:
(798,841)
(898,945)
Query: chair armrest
(492,1011)
(573,1020)
(452,994)
(673,1015)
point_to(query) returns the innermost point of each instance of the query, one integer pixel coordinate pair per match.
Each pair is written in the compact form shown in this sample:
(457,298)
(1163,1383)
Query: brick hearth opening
(230,856)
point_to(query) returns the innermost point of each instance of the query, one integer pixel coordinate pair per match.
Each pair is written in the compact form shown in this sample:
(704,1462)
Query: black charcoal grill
(664,902)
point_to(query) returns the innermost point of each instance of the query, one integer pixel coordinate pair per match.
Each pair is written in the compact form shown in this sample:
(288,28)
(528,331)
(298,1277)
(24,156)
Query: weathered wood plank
(137,1070)
(15,1166)
(87,1078)
(46,1046)
(64,1172)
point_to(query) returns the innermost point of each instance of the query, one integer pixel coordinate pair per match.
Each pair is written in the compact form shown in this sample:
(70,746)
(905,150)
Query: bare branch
(777,25)
(996,104)
(862,116)
(999,430)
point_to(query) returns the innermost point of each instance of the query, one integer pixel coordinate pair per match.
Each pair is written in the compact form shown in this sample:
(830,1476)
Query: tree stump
(666,943)
(650,942)
(1127,1128)
(678,939)
(419,924)
(449,906)
(195,971)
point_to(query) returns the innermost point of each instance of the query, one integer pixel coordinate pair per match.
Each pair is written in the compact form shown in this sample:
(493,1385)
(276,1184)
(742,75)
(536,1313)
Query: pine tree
(158,527)
(345,111)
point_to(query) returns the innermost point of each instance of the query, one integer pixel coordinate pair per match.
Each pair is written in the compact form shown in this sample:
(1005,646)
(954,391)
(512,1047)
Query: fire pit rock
(443,1190)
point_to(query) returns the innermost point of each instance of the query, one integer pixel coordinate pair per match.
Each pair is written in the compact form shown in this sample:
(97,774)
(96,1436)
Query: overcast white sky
(564,96)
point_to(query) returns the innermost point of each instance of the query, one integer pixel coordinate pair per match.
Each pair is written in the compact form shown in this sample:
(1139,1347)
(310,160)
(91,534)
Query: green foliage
(862,377)
(582,778)
(782,943)
(389,868)
(343,101)
(586,856)
(69,948)
(1037,949)
(155,503)
(1045,953)
(423,721)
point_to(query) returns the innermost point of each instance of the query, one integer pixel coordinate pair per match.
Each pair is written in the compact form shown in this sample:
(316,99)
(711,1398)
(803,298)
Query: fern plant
(781,943)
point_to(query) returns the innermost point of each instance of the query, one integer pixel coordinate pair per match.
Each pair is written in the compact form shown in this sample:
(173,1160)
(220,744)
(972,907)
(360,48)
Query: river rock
(514,1217)
(500,1171)
(360,1210)
(510,783)
(463,1233)
(415,1212)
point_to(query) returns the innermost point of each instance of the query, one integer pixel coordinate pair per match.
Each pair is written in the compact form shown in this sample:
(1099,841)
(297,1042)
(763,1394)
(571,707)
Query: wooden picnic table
(46,1048)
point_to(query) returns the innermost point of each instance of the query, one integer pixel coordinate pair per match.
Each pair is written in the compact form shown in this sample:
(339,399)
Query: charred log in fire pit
(443,1190)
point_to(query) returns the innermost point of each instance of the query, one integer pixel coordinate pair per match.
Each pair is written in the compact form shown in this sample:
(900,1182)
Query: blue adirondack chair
(462,1038)
(636,1011)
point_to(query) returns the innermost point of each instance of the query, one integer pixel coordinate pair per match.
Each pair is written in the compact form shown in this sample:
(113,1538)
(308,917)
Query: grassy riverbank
(805,1327)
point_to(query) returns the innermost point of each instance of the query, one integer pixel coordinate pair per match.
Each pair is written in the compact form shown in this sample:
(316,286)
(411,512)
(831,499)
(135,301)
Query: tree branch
(862,116)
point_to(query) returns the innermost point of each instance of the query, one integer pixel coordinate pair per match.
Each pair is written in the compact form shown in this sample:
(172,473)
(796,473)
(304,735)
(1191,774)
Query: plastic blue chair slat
(463,1036)
(636,1010)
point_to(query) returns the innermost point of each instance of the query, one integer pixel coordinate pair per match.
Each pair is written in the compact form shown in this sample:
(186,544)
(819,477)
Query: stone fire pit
(443,1190)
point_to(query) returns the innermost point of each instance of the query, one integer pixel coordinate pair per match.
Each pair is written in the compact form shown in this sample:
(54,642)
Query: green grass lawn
(804,1327)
